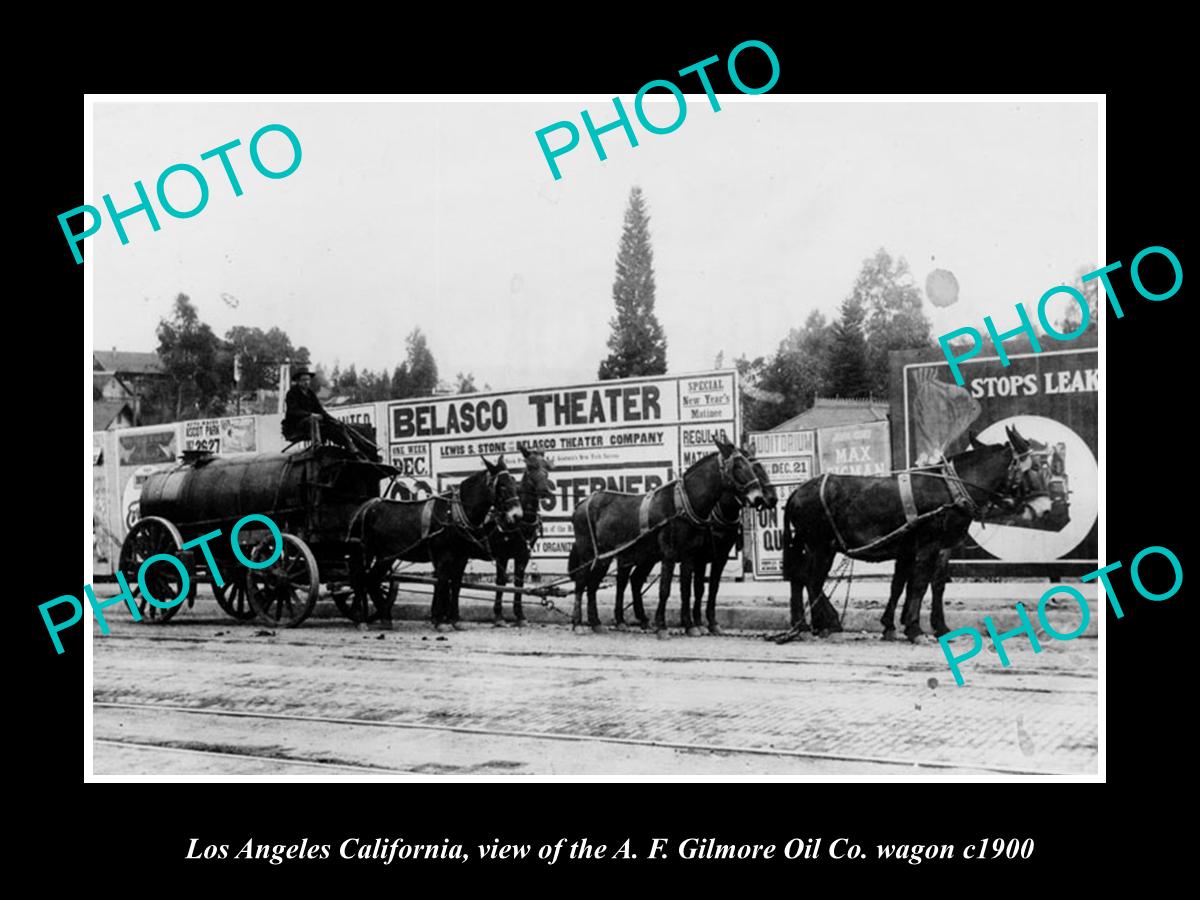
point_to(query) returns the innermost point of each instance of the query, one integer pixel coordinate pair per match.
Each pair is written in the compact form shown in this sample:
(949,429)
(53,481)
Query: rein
(956,487)
(683,508)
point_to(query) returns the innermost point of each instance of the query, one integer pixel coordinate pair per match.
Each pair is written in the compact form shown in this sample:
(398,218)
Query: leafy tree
(260,354)
(417,376)
(895,319)
(1073,315)
(637,343)
(198,365)
(402,383)
(465,384)
(849,375)
(775,390)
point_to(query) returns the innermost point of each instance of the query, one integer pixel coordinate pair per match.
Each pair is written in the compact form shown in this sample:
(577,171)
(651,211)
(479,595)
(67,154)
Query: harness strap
(906,497)
(426,518)
(829,513)
(644,512)
(718,521)
(683,503)
(958,491)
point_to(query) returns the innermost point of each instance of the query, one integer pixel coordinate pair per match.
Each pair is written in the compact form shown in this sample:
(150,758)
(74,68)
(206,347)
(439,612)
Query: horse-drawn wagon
(311,495)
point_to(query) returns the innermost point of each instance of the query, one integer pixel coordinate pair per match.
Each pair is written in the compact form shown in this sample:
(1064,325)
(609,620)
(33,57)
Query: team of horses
(915,517)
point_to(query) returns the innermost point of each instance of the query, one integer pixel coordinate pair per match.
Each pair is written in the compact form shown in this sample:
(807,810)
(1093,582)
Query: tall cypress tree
(637,343)
(848,375)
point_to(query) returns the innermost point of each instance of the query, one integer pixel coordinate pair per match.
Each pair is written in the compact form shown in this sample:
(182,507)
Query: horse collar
(682,502)
(958,490)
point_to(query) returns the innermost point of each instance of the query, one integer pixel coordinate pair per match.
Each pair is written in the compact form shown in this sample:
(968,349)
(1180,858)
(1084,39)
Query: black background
(138,831)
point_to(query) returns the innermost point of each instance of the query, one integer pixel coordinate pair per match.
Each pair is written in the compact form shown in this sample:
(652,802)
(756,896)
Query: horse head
(537,471)
(1006,474)
(506,500)
(738,474)
(1027,487)
(770,498)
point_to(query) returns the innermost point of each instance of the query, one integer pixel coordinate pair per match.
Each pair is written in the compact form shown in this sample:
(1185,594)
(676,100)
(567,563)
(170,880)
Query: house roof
(830,411)
(126,362)
(104,412)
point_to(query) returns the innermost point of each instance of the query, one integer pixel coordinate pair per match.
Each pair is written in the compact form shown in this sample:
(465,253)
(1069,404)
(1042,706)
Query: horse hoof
(663,634)
(889,634)
(362,626)
(938,632)
(715,629)
(645,625)
(520,623)
(441,627)
(500,623)
(597,629)
(389,625)
(918,637)
(458,626)
(692,631)
(621,626)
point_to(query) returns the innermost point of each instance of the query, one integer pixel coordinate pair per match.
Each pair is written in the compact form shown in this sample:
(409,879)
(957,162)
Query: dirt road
(203,694)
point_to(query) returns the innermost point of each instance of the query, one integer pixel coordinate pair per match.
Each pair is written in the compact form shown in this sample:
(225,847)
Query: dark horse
(930,559)
(641,528)
(444,530)
(515,541)
(700,546)
(875,518)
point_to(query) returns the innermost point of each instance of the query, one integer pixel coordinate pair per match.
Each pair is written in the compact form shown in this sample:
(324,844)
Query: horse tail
(793,548)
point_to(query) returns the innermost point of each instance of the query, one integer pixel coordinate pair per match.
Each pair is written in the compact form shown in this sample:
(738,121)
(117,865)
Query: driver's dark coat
(300,403)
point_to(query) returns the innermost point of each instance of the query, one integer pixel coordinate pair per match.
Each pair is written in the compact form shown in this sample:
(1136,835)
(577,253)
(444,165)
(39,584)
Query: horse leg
(520,561)
(824,616)
(941,574)
(383,597)
(698,568)
(900,577)
(714,579)
(581,576)
(437,610)
(664,594)
(459,567)
(685,596)
(638,581)
(910,617)
(623,570)
(593,585)
(498,606)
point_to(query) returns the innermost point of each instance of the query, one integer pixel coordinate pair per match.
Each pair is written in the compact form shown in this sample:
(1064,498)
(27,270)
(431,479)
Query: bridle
(530,524)
(740,490)
(1019,465)
(494,514)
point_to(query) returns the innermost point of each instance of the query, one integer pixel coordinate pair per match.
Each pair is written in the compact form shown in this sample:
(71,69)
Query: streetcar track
(226,754)
(912,667)
(572,737)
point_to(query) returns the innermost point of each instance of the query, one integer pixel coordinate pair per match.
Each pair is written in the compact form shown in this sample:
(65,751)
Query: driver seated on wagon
(305,418)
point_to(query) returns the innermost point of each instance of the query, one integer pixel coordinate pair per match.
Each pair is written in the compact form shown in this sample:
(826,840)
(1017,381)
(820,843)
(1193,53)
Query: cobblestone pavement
(542,700)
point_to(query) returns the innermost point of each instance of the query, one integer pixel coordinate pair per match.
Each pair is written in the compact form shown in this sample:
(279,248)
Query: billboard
(863,449)
(1052,399)
(632,435)
(230,434)
(789,458)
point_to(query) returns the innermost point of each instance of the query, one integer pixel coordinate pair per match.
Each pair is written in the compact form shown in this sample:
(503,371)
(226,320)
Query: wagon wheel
(149,537)
(234,599)
(285,593)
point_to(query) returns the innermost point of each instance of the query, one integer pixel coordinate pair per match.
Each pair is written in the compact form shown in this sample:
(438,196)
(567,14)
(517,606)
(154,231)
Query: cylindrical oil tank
(215,492)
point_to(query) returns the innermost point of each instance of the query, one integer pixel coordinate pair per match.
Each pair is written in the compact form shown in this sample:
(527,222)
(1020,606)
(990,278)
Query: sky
(445,215)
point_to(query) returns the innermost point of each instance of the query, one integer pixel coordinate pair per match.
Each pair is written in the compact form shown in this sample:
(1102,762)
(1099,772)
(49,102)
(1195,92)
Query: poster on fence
(234,434)
(788,458)
(632,435)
